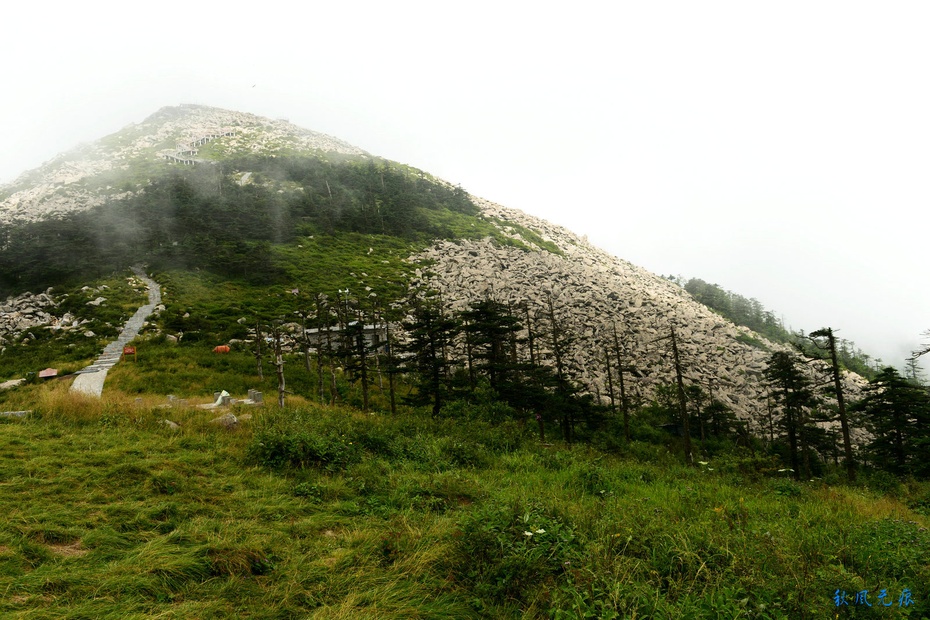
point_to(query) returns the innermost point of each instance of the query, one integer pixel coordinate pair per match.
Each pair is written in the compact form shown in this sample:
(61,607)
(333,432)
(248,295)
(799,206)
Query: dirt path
(90,379)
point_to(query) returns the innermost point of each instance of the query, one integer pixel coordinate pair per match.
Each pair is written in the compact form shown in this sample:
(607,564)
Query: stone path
(90,379)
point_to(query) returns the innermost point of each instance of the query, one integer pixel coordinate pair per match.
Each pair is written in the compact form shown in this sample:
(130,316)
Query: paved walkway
(90,379)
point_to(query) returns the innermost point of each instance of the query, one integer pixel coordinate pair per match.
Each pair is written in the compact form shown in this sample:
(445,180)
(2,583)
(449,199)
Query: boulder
(227,421)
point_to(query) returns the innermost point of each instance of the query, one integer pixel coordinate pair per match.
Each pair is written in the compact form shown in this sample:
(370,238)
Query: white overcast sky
(781,150)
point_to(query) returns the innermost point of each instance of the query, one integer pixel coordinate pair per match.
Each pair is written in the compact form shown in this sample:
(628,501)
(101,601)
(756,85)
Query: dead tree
(682,408)
(610,382)
(258,349)
(392,363)
(278,360)
(624,401)
(321,308)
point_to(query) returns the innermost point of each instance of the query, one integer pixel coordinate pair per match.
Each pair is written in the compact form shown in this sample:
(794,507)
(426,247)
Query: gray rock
(591,291)
(227,421)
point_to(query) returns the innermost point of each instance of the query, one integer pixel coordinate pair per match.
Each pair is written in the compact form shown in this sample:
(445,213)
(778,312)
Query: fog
(777,150)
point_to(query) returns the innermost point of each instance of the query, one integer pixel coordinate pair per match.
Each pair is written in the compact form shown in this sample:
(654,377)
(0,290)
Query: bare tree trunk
(333,392)
(258,350)
(567,421)
(362,352)
(319,344)
(472,379)
(530,336)
(841,405)
(278,363)
(840,401)
(391,366)
(610,382)
(306,346)
(682,409)
(624,402)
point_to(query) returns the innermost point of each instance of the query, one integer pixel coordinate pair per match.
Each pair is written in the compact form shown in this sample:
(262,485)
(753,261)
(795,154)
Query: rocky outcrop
(591,292)
(19,315)
(82,178)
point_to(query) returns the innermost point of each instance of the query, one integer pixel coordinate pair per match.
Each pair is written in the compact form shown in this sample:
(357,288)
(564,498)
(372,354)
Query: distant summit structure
(123,163)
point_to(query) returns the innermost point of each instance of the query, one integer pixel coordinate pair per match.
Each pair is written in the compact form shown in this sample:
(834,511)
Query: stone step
(113,352)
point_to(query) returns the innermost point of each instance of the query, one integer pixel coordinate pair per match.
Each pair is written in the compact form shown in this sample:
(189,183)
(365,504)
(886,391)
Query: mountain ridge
(37,193)
(591,290)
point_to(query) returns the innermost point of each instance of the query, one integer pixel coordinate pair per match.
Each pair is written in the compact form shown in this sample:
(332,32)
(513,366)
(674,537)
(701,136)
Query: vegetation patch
(326,511)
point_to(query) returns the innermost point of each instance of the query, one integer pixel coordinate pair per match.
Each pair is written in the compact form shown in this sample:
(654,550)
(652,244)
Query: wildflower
(527,533)
(540,531)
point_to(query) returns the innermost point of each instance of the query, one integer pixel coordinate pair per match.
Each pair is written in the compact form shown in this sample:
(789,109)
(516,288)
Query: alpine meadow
(248,370)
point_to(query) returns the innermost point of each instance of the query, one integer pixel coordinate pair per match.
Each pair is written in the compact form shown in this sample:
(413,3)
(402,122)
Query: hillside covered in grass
(540,429)
(327,513)
(234,219)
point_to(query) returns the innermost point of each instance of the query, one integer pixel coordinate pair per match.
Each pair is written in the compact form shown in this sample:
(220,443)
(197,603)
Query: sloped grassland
(328,513)
(323,511)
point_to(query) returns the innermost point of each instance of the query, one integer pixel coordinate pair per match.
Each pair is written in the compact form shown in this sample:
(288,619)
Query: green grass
(751,341)
(529,235)
(71,350)
(327,513)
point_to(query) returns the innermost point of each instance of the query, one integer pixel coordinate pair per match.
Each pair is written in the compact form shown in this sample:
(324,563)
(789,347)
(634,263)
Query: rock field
(592,291)
(19,315)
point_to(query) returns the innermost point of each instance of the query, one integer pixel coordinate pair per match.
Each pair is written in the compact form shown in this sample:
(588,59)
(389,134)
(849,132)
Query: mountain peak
(121,164)
(161,198)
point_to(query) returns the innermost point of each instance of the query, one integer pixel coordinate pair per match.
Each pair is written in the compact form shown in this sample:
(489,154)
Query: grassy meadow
(325,512)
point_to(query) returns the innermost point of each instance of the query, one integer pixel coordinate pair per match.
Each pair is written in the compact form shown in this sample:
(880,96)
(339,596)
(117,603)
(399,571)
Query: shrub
(278,450)
(507,553)
(294,439)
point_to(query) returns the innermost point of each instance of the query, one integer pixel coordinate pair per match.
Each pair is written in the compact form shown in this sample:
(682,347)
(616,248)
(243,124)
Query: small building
(375,335)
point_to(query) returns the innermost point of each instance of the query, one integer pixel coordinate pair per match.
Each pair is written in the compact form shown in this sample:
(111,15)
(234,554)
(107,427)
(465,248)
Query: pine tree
(791,390)
(492,335)
(896,412)
(430,334)
(825,341)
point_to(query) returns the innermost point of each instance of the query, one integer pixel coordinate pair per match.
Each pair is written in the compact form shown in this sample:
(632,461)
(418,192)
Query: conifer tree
(492,334)
(825,341)
(792,391)
(897,414)
(430,333)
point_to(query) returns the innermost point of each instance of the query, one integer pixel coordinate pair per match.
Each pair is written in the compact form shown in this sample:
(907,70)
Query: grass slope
(327,513)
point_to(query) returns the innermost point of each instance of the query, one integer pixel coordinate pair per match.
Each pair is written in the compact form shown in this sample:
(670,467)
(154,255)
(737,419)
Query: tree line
(515,361)
(490,353)
(217,217)
(750,313)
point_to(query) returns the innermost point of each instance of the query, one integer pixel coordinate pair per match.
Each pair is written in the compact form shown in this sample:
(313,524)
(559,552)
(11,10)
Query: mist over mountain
(199,189)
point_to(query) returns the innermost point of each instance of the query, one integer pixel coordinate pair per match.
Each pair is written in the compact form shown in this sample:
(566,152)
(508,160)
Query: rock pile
(26,312)
(591,292)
